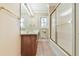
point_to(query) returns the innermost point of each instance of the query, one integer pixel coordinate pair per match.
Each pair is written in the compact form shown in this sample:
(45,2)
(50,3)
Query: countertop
(34,32)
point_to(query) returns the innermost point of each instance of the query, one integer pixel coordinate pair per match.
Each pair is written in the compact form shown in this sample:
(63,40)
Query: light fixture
(28,9)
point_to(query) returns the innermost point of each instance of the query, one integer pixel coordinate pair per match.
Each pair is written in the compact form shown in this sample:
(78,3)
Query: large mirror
(34,19)
(53,26)
(29,22)
(65,28)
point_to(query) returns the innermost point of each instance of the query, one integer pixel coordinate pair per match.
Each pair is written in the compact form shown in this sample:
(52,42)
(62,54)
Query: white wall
(9,31)
(77,29)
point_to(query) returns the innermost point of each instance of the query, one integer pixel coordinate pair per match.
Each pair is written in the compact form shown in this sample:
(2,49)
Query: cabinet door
(34,44)
(65,27)
(26,45)
(53,29)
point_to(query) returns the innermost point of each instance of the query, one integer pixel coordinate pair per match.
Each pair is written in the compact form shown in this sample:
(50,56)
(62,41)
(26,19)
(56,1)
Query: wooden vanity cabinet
(28,45)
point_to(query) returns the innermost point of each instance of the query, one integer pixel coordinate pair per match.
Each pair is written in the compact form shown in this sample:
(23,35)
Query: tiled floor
(44,49)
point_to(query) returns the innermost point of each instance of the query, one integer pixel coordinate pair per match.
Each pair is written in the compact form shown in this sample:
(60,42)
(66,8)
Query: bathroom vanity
(29,43)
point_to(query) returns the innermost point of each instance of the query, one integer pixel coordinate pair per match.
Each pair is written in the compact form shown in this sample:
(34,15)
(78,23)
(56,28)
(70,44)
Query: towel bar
(9,12)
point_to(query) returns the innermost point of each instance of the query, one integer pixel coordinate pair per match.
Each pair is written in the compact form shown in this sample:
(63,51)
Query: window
(43,22)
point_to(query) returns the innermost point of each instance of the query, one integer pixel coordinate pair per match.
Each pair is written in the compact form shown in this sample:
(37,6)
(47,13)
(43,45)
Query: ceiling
(38,7)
